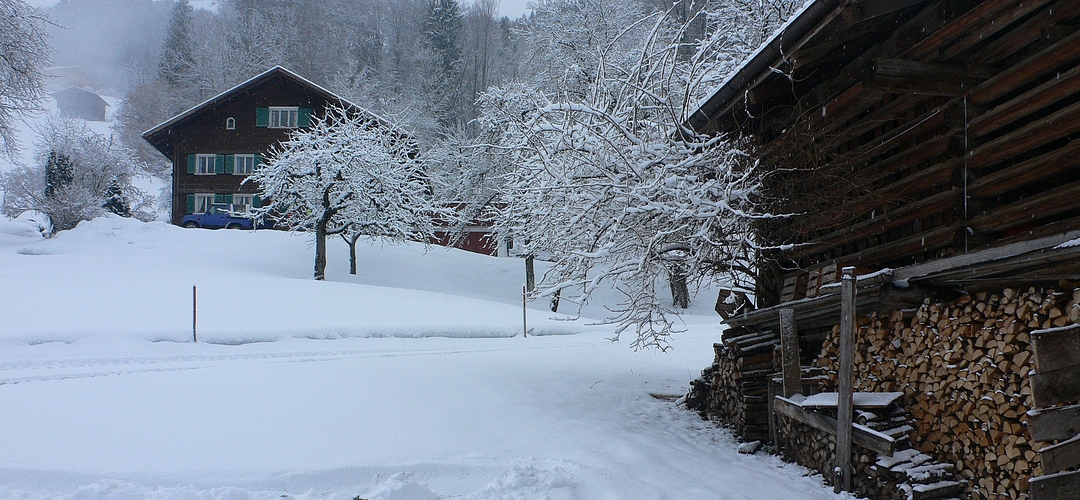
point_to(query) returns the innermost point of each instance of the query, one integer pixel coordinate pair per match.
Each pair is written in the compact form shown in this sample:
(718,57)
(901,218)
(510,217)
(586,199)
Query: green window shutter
(228,199)
(191,164)
(303,117)
(262,117)
(256,201)
(219,198)
(190,208)
(258,159)
(230,163)
(219,164)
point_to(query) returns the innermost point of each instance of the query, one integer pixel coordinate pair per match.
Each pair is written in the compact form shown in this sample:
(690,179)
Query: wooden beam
(845,369)
(860,435)
(1029,210)
(1060,486)
(905,214)
(1029,32)
(1016,176)
(901,76)
(1056,348)
(1057,125)
(789,353)
(1061,456)
(1028,103)
(956,28)
(1054,424)
(1042,62)
(935,267)
(905,247)
(1055,387)
(869,9)
(992,26)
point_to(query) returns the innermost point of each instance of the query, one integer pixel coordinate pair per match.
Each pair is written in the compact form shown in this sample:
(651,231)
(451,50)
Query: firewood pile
(907,475)
(735,388)
(963,367)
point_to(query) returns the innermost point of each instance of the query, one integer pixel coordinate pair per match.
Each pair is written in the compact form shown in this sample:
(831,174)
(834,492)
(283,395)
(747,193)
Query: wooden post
(844,402)
(789,353)
(194,313)
(524,312)
(774,390)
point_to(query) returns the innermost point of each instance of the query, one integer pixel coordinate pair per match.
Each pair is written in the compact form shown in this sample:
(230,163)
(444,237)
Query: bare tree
(610,186)
(24,51)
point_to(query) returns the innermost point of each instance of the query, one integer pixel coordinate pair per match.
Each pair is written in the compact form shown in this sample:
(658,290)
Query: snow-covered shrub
(78,175)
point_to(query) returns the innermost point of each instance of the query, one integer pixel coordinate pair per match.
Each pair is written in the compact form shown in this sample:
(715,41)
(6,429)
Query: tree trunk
(352,254)
(320,250)
(679,292)
(530,273)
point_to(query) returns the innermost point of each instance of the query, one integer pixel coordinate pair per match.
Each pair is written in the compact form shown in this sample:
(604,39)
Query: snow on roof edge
(761,51)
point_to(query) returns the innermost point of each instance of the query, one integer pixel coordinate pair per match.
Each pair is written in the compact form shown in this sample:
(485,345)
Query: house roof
(266,75)
(824,26)
(77,91)
(760,62)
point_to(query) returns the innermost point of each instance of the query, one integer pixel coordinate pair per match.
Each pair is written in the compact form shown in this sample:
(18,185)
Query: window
(230,123)
(283,117)
(205,164)
(242,203)
(245,164)
(203,202)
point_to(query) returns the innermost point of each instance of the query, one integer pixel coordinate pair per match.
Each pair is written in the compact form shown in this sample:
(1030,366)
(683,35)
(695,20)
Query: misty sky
(512,8)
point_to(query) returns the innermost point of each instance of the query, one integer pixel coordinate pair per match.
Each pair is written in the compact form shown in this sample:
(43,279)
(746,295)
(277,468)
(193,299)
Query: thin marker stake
(194,313)
(524,313)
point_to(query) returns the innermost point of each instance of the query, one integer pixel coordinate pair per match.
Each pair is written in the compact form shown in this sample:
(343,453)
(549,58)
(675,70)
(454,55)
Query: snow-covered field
(407,381)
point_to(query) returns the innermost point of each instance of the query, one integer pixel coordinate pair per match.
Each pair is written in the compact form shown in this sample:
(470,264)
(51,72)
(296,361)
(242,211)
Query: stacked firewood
(908,474)
(963,367)
(736,385)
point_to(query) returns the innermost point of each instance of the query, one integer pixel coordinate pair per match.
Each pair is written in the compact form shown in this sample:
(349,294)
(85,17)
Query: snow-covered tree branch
(610,186)
(347,174)
(24,52)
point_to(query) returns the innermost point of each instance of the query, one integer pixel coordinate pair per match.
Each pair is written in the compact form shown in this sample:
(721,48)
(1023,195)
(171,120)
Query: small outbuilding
(75,102)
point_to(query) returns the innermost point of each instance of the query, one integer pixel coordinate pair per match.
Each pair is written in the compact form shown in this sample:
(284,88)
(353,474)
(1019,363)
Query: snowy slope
(401,383)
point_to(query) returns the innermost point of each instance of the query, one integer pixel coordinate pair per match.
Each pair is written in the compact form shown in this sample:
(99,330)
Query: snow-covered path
(108,410)
(544,417)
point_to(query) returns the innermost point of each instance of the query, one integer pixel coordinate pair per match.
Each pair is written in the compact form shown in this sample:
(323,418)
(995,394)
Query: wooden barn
(931,148)
(75,102)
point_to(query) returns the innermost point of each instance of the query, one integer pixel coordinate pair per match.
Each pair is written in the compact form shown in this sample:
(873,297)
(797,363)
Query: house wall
(206,134)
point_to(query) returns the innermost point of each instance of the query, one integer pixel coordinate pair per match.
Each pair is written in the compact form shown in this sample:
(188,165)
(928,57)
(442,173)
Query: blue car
(220,216)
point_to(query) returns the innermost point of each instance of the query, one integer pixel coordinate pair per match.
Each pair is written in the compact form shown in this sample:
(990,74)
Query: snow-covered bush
(78,175)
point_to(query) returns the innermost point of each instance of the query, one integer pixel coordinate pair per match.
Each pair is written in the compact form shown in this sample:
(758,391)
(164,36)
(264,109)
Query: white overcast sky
(512,8)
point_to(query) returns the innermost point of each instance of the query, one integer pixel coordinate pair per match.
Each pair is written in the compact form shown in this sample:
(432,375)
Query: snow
(859,399)
(408,381)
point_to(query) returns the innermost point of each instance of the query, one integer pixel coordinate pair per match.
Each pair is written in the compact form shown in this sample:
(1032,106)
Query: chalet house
(931,147)
(75,102)
(215,145)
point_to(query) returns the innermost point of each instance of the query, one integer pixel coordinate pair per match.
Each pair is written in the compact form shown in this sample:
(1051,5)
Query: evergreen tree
(58,173)
(178,55)
(443,31)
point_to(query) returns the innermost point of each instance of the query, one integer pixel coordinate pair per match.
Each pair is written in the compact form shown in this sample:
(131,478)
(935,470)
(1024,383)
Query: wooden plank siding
(203,130)
(935,129)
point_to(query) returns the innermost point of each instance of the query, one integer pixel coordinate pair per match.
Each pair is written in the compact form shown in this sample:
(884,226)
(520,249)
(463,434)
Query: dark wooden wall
(916,133)
(205,133)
